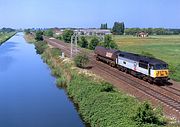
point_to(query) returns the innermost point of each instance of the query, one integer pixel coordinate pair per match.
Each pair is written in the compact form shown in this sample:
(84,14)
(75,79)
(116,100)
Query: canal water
(28,93)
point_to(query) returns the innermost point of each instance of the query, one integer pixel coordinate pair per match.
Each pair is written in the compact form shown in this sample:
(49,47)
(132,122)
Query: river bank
(100,104)
(6,36)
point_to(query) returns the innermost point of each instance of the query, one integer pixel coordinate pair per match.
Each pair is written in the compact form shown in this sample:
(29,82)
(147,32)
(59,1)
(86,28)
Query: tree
(27,31)
(59,37)
(8,30)
(118,28)
(93,43)
(109,42)
(104,26)
(83,42)
(49,33)
(81,60)
(39,36)
(67,35)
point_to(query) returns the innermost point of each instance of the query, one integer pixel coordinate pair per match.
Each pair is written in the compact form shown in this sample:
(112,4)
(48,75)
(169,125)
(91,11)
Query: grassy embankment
(166,48)
(5,36)
(100,104)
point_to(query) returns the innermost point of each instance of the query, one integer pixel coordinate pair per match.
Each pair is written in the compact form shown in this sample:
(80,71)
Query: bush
(39,36)
(40,47)
(49,33)
(81,60)
(61,82)
(67,35)
(55,52)
(109,42)
(59,37)
(83,42)
(146,115)
(93,43)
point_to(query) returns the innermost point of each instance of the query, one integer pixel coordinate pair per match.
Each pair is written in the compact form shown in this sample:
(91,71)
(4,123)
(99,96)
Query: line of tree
(104,26)
(152,31)
(7,30)
(48,33)
(107,42)
(118,28)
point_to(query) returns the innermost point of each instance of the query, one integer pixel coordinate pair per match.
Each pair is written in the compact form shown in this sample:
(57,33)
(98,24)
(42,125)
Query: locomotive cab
(159,72)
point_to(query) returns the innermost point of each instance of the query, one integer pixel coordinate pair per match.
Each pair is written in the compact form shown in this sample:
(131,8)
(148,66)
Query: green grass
(5,36)
(166,48)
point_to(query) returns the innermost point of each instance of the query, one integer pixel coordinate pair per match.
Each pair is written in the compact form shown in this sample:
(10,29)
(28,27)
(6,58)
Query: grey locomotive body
(146,68)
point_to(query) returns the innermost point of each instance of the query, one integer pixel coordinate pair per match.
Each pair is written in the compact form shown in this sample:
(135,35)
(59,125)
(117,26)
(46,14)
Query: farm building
(142,34)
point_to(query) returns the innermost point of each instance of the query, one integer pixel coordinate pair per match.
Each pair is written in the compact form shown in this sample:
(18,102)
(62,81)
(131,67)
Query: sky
(89,13)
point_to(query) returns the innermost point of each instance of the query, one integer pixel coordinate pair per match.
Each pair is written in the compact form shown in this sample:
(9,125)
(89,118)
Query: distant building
(91,32)
(142,34)
(57,31)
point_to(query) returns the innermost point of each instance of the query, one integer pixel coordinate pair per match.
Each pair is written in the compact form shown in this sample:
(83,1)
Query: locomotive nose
(162,73)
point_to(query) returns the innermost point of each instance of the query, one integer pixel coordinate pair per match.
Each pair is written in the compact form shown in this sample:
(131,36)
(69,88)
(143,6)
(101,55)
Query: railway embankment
(99,103)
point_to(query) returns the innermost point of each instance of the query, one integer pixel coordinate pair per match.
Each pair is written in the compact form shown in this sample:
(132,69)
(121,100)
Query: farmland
(166,48)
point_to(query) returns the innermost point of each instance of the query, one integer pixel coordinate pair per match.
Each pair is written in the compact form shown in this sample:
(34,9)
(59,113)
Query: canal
(28,93)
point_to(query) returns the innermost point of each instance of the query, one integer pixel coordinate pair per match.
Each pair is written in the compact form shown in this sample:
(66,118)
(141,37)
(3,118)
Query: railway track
(173,102)
(147,90)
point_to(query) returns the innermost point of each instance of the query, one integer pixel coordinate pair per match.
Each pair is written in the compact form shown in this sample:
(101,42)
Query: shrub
(39,36)
(59,37)
(93,43)
(48,33)
(83,42)
(81,60)
(67,35)
(40,47)
(146,115)
(61,82)
(109,42)
(55,52)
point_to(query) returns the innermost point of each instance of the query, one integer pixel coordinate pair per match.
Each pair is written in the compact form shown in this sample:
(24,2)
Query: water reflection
(28,94)
(5,59)
(5,62)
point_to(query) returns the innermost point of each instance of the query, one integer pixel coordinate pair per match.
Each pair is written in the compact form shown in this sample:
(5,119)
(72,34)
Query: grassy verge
(166,48)
(5,36)
(100,104)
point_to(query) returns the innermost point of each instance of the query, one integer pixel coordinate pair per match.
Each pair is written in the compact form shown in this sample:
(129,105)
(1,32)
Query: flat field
(165,47)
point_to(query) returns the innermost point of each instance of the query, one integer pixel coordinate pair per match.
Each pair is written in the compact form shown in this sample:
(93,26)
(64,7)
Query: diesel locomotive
(147,68)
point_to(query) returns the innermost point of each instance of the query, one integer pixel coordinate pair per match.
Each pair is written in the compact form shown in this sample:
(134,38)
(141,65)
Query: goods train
(147,68)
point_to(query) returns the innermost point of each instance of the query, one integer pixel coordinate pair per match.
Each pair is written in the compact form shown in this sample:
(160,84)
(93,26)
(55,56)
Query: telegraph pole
(74,38)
